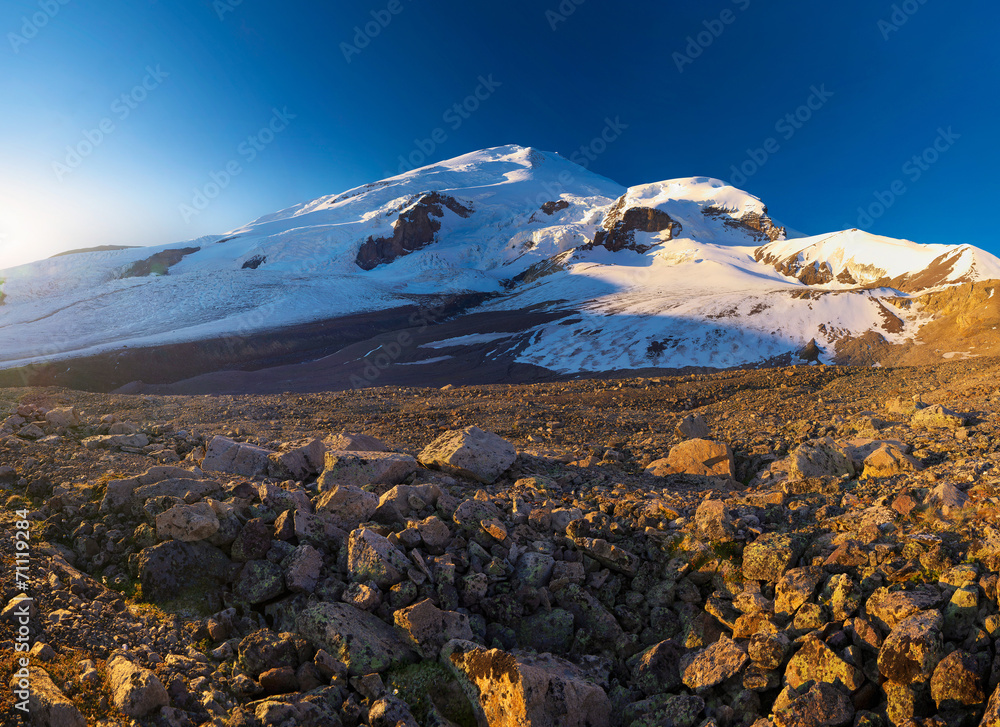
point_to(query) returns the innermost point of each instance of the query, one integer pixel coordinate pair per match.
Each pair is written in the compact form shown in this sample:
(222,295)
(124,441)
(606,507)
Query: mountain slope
(565,272)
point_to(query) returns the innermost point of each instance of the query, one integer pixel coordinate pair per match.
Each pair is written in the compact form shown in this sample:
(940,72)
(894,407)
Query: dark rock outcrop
(414,230)
(620,226)
(158,264)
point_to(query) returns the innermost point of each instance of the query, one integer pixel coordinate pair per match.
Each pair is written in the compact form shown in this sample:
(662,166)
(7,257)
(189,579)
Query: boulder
(518,691)
(693,426)
(992,716)
(62,418)
(816,662)
(714,664)
(259,581)
(887,608)
(299,461)
(428,628)
(135,691)
(350,505)
(770,555)
(225,455)
(302,572)
(365,468)
(713,521)
(889,460)
(696,457)
(187,522)
(657,669)
(371,557)
(819,458)
(470,452)
(116,441)
(795,588)
(263,650)
(913,648)
(47,705)
(396,505)
(363,642)
(823,705)
(355,443)
(168,568)
(957,681)
(534,569)
(936,416)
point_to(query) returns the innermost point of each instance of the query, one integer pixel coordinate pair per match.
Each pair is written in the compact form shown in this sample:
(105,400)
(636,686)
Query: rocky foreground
(807,546)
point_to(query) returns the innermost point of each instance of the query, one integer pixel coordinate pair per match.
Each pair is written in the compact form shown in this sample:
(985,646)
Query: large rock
(770,555)
(713,665)
(913,648)
(470,452)
(428,628)
(795,588)
(992,716)
(350,505)
(135,691)
(713,521)
(225,455)
(887,608)
(889,460)
(365,468)
(187,522)
(302,572)
(167,569)
(355,443)
(819,458)
(62,418)
(526,691)
(696,457)
(116,441)
(371,557)
(822,706)
(693,426)
(957,681)
(817,662)
(120,493)
(264,650)
(657,669)
(47,705)
(396,505)
(936,416)
(259,581)
(297,462)
(363,642)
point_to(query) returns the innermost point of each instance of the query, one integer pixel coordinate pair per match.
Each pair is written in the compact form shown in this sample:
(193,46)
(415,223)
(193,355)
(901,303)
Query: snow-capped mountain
(572,273)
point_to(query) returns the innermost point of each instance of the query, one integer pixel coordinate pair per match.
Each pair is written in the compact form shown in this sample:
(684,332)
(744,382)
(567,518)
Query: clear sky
(124,121)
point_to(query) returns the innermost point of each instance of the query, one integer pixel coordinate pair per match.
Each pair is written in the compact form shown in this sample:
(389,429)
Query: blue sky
(119,115)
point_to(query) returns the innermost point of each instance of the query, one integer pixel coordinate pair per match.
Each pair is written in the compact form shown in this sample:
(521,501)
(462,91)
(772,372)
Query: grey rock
(470,452)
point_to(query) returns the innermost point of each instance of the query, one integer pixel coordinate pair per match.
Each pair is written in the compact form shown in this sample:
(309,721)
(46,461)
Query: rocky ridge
(684,551)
